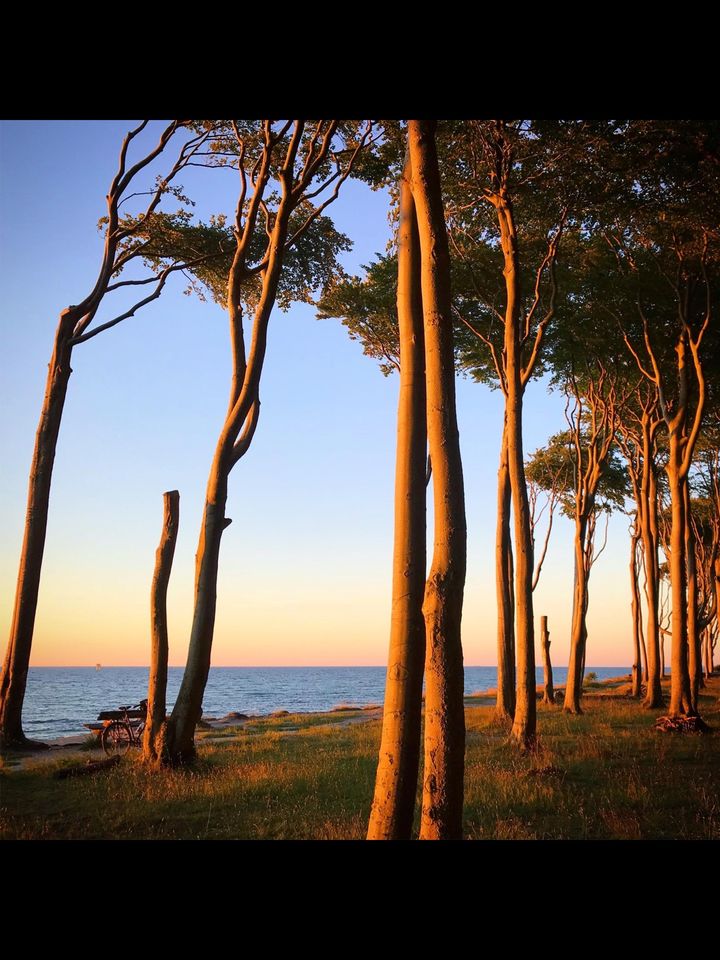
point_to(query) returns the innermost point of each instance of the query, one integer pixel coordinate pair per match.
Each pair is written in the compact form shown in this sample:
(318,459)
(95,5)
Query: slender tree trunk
(525,720)
(680,696)
(650,536)
(505,703)
(636,617)
(694,649)
(396,781)
(709,667)
(13,679)
(155,741)
(549,694)
(188,705)
(444,701)
(662,655)
(573,689)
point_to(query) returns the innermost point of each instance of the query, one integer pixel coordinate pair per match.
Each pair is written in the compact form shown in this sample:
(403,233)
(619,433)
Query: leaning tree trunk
(444,697)
(636,617)
(13,679)
(680,695)
(188,705)
(576,665)
(396,781)
(549,691)
(155,740)
(505,702)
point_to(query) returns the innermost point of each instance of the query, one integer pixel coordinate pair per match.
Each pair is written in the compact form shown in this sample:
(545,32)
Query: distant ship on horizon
(98,666)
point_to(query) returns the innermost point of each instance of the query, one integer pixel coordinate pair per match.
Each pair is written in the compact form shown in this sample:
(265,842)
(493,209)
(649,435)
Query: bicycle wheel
(116,739)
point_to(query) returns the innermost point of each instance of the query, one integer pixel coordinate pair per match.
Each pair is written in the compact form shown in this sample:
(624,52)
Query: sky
(305,567)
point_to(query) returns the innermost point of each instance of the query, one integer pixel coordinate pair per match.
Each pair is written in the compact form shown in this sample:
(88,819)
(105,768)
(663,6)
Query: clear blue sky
(305,566)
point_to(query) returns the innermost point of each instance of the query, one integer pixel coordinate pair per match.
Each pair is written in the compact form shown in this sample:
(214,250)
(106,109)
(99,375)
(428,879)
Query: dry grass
(605,774)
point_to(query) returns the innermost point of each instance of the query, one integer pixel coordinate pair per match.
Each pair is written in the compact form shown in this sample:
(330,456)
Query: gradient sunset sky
(305,566)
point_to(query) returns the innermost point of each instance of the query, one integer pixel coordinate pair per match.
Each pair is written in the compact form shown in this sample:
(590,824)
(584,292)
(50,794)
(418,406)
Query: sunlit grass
(605,774)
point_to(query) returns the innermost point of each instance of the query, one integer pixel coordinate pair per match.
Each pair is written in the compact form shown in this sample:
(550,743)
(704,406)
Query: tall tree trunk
(573,688)
(13,679)
(525,720)
(650,539)
(396,781)
(694,649)
(505,703)
(662,655)
(680,696)
(636,617)
(444,703)
(709,667)
(188,705)
(155,740)
(549,692)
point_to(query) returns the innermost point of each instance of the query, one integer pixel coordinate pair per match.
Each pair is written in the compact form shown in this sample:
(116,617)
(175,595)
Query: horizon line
(276,666)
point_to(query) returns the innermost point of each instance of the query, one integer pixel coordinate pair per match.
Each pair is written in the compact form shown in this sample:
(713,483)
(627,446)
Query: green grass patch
(606,774)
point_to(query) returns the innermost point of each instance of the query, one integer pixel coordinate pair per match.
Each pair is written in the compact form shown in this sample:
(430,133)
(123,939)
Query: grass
(606,774)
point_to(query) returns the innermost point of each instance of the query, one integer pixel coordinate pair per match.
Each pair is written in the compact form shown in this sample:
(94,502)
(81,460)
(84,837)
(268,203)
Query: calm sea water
(60,699)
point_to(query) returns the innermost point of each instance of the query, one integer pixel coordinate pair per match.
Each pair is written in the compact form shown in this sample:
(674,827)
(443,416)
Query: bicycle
(126,731)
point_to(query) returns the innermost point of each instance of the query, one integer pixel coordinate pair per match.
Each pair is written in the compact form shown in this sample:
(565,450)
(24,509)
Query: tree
(393,806)
(499,164)
(592,482)
(682,412)
(636,436)
(289,173)
(128,238)
(442,607)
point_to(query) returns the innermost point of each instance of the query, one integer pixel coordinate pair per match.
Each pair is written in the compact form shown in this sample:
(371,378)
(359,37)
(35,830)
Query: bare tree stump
(549,695)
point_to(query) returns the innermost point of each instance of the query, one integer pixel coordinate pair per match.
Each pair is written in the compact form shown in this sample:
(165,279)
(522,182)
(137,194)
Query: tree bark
(578,635)
(680,696)
(13,679)
(444,696)
(636,616)
(393,808)
(549,693)
(505,702)
(650,539)
(694,649)
(525,719)
(709,666)
(155,740)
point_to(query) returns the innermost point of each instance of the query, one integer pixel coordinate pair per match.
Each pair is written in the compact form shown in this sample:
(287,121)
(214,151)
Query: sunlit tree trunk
(694,649)
(578,633)
(525,717)
(680,695)
(396,781)
(155,740)
(13,680)
(650,539)
(636,614)
(709,666)
(444,706)
(505,703)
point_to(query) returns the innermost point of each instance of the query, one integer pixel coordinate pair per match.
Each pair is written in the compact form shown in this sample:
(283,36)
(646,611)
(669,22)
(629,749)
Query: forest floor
(607,774)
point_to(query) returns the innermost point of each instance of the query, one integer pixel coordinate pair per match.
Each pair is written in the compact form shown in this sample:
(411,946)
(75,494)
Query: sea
(59,700)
